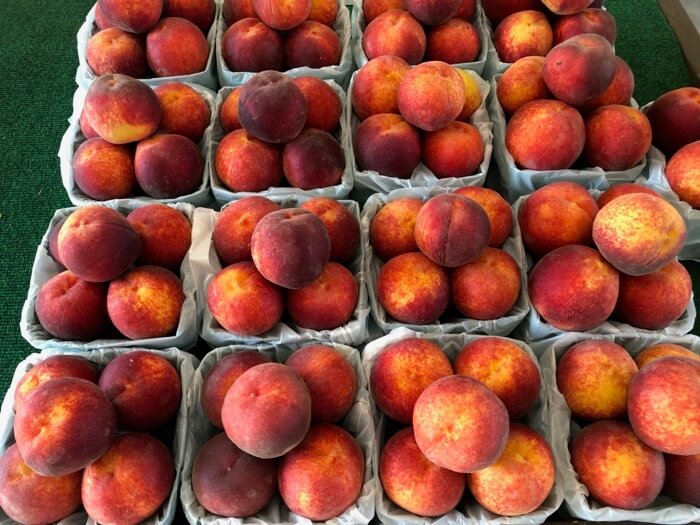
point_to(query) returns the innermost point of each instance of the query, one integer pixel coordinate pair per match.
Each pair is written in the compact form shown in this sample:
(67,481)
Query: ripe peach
(639,233)
(168,166)
(331,381)
(674,118)
(387,144)
(324,11)
(520,83)
(282,14)
(622,189)
(433,13)
(312,44)
(184,111)
(234,227)
(101,21)
(566,7)
(230,483)
(228,114)
(395,32)
(505,368)
(683,478)
(391,231)
(313,159)
(131,17)
(175,46)
(617,137)
(402,371)
(121,109)
(664,405)
(267,410)
(103,170)
(165,232)
(85,127)
(472,96)
(242,301)
(235,10)
(323,105)
(250,45)
(413,289)
(244,163)
(303,240)
(522,34)
(63,425)
(115,51)
(497,210)
(657,351)
(589,20)
(414,483)
(97,243)
(342,226)
(521,479)
(373,8)
(376,85)
(683,173)
(452,230)
(460,424)
(199,12)
(220,378)
(616,467)
(545,135)
(466,10)
(573,288)
(497,10)
(457,150)
(130,481)
(620,89)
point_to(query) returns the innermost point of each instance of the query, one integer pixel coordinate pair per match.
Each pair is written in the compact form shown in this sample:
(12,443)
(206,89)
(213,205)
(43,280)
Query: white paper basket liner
(45,267)
(206,263)
(663,509)
(73,138)
(358,422)
(469,512)
(184,363)
(513,246)
(222,194)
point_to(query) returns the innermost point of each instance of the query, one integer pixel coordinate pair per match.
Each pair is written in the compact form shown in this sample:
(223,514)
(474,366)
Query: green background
(38,59)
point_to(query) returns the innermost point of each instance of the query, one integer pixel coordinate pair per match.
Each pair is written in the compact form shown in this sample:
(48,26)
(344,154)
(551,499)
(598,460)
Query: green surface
(38,59)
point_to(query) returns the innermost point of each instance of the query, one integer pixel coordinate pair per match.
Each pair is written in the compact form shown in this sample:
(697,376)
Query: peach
(282,14)
(272,108)
(620,89)
(234,227)
(245,163)
(313,159)
(657,351)
(452,230)
(130,481)
(545,135)
(506,369)
(431,95)
(132,17)
(675,119)
(243,302)
(230,483)
(460,425)
(115,51)
(97,243)
(391,231)
(145,302)
(184,111)
(522,34)
(573,288)
(431,12)
(521,479)
(579,69)
(520,83)
(616,467)
(50,368)
(250,45)
(323,105)
(326,303)
(402,371)
(144,389)
(228,114)
(303,239)
(85,127)
(566,7)
(176,46)
(330,378)
(323,476)
(664,405)
(395,32)
(166,235)
(312,44)
(654,301)
(472,96)
(53,240)
(199,12)
(71,308)
(639,233)
(121,109)
(555,215)
(104,171)
(235,10)
(497,210)
(387,144)
(683,478)
(466,10)
(101,21)
(28,497)
(487,287)
(342,226)
(683,173)
(324,11)
(413,289)
(497,10)
(623,189)
(457,150)
(63,425)
(598,21)
(168,166)
(220,378)
(617,137)
(414,483)
(267,410)
(373,8)
(594,376)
